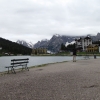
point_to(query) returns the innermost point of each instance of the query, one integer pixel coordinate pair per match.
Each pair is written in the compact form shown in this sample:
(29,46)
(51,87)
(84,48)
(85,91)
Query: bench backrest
(19,61)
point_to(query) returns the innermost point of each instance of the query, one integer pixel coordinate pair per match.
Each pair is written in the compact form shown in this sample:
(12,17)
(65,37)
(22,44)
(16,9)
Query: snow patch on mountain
(67,43)
(57,35)
(44,40)
(22,42)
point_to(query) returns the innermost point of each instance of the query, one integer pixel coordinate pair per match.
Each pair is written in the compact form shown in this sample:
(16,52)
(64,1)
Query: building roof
(93,45)
(87,37)
(80,39)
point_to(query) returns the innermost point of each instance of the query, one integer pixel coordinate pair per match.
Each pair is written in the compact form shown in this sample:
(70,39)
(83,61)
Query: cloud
(33,20)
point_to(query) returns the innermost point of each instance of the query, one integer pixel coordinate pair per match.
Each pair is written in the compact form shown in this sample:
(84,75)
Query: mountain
(13,48)
(96,38)
(41,44)
(24,43)
(54,44)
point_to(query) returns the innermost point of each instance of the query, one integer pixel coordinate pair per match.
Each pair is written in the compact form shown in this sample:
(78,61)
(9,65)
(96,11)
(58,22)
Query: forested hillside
(13,48)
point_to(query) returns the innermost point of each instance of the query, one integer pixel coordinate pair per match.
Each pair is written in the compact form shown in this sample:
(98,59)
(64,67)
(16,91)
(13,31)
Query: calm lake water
(34,60)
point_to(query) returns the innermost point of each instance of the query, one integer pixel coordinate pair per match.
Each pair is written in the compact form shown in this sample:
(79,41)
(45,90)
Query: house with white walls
(83,42)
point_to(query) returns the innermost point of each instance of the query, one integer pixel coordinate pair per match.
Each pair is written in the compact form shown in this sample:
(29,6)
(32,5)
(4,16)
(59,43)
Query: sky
(35,20)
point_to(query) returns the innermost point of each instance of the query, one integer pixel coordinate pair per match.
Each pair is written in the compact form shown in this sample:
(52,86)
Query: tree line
(70,47)
(13,48)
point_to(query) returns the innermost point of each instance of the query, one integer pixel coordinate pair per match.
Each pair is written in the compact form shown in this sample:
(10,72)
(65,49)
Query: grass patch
(3,73)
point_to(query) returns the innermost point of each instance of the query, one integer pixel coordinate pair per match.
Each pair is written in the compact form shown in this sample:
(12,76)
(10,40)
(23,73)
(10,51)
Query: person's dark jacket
(74,52)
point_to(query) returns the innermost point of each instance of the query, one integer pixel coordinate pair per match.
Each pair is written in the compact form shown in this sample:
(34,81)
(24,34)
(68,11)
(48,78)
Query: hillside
(13,48)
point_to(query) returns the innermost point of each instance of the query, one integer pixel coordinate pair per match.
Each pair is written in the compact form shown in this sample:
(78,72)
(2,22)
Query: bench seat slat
(8,66)
(19,65)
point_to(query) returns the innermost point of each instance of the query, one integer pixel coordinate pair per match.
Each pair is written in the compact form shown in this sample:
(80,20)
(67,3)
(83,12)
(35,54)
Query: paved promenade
(62,81)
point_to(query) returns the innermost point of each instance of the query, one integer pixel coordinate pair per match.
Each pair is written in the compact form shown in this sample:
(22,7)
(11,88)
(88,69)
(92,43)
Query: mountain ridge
(54,44)
(24,43)
(10,47)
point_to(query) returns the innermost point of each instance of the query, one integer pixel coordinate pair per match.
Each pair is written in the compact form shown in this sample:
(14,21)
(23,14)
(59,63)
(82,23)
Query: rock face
(54,44)
(96,38)
(40,44)
(22,42)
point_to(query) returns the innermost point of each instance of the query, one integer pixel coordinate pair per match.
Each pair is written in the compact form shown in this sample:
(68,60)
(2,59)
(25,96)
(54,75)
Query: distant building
(83,43)
(93,48)
(39,51)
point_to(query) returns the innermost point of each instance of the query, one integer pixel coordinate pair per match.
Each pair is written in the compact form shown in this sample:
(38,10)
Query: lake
(34,60)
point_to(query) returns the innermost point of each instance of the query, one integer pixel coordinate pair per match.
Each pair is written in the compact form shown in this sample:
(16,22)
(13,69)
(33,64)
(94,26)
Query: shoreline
(31,67)
(45,64)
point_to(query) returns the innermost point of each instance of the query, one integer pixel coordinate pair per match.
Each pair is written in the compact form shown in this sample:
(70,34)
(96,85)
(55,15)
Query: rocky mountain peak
(23,42)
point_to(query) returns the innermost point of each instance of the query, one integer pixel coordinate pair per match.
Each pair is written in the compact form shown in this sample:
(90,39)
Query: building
(83,43)
(39,51)
(93,48)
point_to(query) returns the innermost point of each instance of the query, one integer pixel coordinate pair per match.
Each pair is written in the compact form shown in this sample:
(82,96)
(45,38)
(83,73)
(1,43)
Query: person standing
(74,55)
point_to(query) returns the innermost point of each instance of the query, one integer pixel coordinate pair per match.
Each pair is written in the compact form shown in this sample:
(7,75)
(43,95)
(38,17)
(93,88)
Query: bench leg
(26,67)
(8,70)
(13,70)
(22,67)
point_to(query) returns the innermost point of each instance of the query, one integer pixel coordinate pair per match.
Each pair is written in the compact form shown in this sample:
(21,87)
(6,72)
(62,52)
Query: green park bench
(16,63)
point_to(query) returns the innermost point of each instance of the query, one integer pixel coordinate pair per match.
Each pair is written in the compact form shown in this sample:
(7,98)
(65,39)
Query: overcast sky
(34,20)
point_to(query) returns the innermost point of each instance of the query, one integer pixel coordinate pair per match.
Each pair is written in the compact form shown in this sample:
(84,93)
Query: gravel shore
(78,80)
